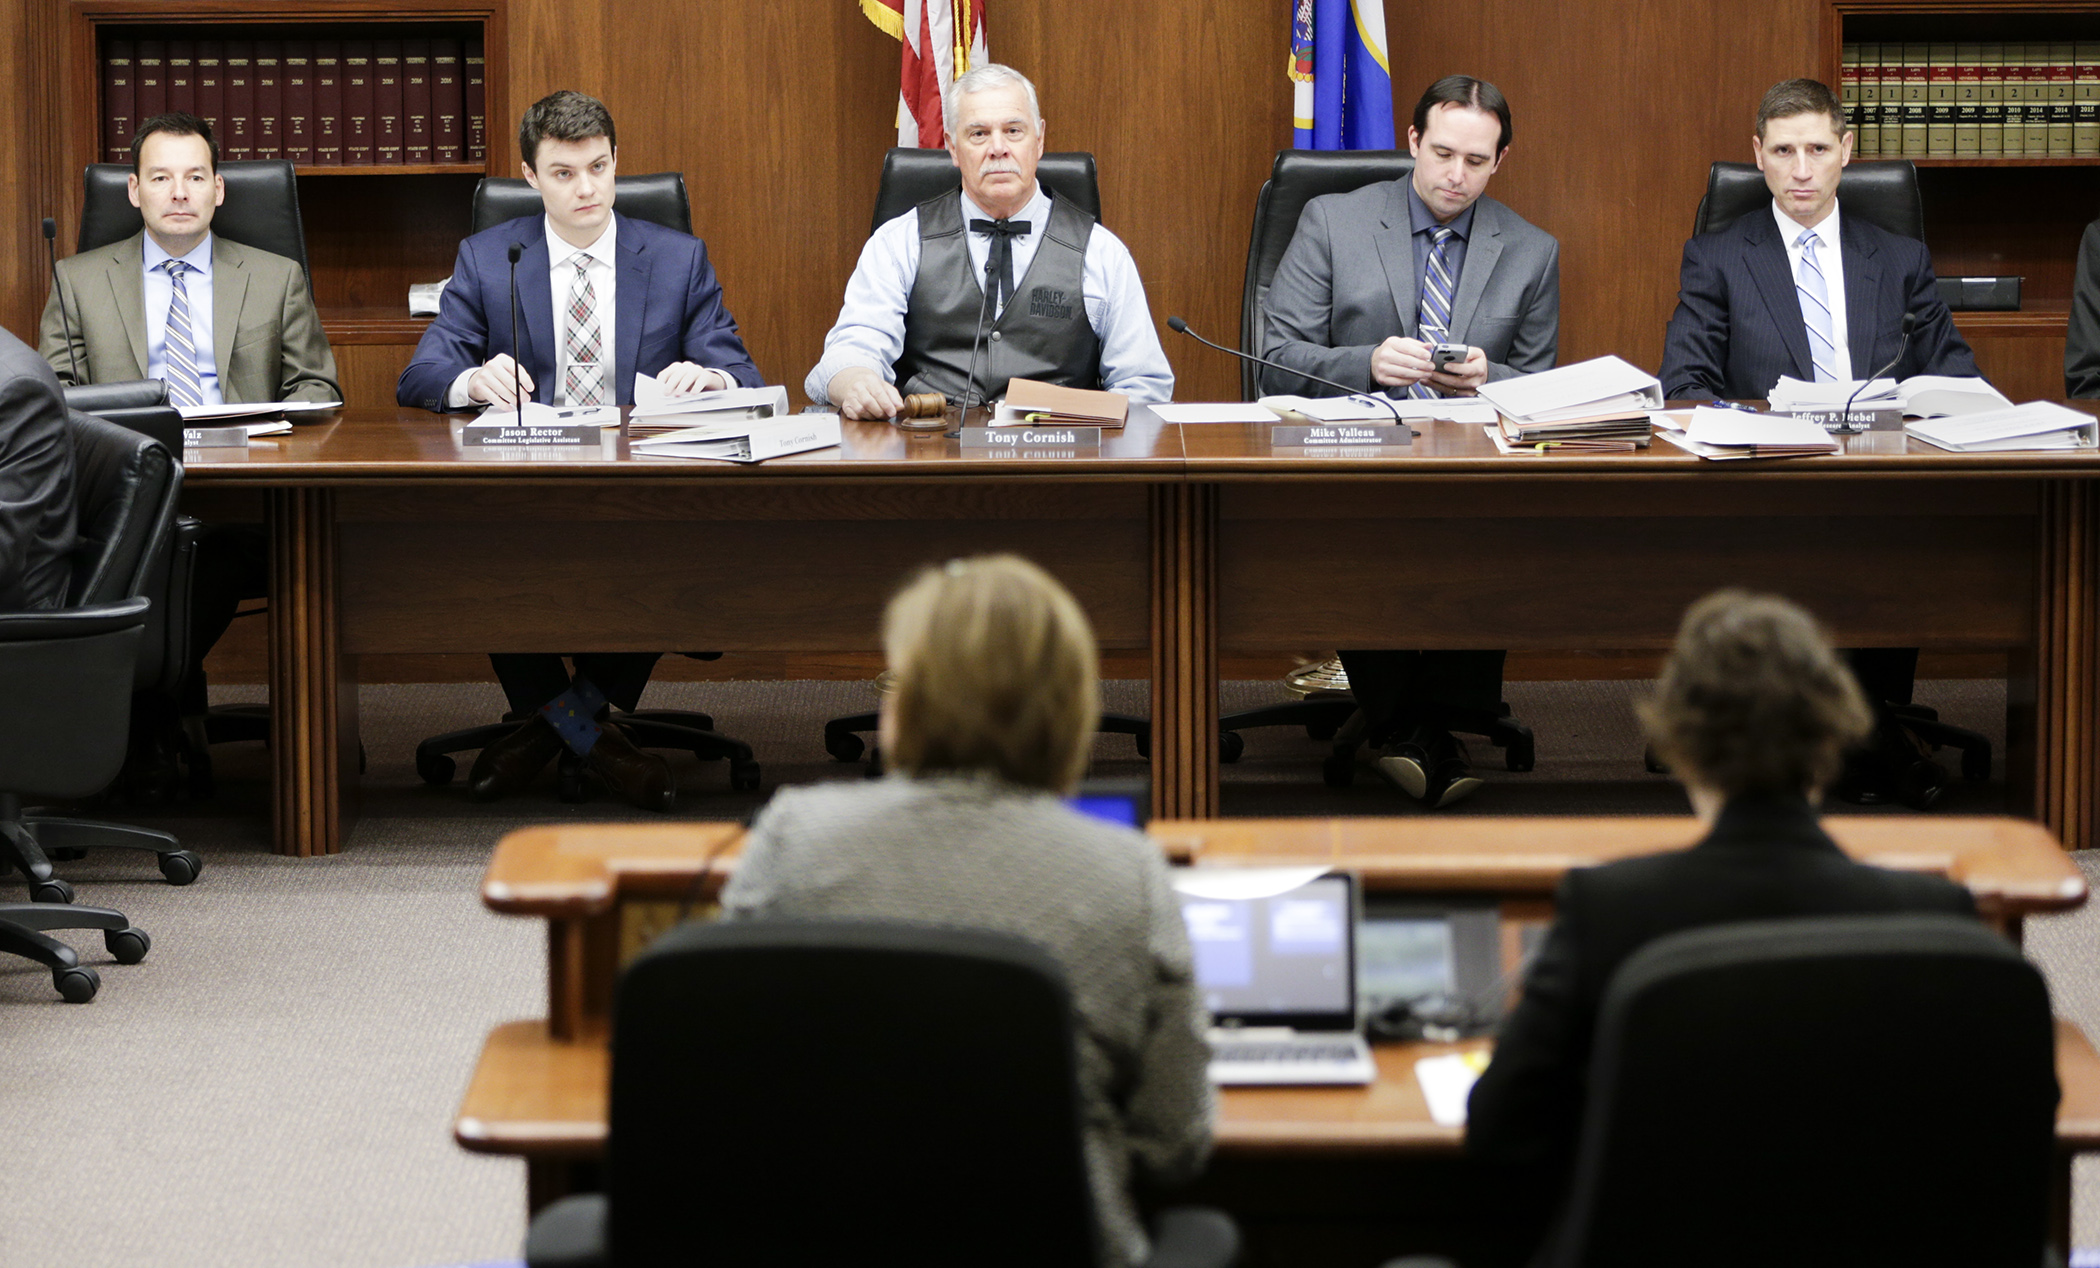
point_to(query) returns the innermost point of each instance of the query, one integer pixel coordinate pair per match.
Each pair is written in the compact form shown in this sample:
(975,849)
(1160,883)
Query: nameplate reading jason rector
(530,433)
(1325,435)
(1084,439)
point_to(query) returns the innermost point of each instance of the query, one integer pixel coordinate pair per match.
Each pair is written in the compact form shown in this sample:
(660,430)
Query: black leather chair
(126,488)
(1886,193)
(910,177)
(840,1092)
(1838,1091)
(261,208)
(1296,178)
(658,197)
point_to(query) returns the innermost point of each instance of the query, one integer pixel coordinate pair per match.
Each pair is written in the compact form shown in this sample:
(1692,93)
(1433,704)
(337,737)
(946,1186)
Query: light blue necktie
(184,387)
(1433,320)
(1815,310)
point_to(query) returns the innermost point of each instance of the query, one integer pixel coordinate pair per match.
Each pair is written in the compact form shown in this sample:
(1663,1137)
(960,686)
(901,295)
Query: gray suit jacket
(1342,285)
(266,336)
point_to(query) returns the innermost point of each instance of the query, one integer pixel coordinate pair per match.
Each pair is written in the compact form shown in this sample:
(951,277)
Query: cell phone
(1443,354)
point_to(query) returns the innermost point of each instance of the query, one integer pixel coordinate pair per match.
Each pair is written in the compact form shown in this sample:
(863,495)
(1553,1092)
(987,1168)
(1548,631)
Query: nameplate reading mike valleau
(1299,436)
(1082,439)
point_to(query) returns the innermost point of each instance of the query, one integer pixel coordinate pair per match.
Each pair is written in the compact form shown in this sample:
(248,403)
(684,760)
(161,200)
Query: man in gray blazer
(1373,281)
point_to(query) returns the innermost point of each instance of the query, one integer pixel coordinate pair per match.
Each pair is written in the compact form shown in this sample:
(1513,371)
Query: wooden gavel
(925,411)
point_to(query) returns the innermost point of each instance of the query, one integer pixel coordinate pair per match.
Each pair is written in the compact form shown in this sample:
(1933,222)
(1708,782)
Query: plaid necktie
(1815,310)
(184,385)
(585,383)
(1433,320)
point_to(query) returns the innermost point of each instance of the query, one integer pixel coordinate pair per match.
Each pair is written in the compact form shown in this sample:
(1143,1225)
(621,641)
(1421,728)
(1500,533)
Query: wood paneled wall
(778,113)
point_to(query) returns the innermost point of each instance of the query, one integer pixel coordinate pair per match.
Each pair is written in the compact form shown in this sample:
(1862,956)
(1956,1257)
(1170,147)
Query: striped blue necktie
(1815,310)
(1433,322)
(184,387)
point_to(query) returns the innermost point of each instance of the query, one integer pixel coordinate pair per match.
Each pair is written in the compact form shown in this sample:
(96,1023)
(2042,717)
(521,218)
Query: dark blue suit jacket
(669,309)
(1738,324)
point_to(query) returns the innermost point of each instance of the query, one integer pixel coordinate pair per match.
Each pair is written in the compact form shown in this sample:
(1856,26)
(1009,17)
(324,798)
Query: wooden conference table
(389,537)
(539,1089)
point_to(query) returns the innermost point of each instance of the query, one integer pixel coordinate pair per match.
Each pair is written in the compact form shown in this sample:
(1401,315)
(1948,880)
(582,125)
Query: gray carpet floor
(275,1084)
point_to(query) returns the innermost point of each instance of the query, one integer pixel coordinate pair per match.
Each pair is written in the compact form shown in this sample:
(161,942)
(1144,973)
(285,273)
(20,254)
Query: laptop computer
(1277,968)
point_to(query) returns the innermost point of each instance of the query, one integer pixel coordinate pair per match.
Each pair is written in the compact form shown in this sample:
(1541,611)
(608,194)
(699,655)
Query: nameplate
(1331,435)
(529,433)
(1857,419)
(215,437)
(1070,441)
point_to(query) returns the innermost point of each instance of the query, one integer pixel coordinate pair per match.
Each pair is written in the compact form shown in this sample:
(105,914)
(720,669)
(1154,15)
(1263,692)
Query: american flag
(941,39)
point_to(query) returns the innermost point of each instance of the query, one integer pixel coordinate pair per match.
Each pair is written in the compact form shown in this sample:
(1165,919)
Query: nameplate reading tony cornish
(1328,435)
(1068,439)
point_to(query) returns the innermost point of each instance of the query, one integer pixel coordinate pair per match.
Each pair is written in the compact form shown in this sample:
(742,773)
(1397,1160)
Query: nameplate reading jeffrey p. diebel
(1326,435)
(1081,439)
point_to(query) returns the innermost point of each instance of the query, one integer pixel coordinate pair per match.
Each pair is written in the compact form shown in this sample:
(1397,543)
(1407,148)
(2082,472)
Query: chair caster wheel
(743,776)
(181,867)
(52,891)
(435,768)
(1520,756)
(1339,770)
(128,945)
(78,984)
(1231,746)
(844,746)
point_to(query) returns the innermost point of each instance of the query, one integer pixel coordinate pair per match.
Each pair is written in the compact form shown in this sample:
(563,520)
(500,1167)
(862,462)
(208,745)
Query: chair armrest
(568,1234)
(1194,1237)
(102,618)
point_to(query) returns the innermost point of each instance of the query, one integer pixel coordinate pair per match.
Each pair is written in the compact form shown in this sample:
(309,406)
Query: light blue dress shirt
(870,328)
(160,292)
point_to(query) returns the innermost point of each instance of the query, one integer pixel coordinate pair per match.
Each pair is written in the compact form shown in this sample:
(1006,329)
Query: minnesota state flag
(1343,82)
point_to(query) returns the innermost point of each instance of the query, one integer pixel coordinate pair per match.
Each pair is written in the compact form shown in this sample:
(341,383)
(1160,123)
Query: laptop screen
(1283,959)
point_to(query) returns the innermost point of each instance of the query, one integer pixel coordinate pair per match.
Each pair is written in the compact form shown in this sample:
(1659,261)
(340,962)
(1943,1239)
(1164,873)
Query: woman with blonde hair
(985,731)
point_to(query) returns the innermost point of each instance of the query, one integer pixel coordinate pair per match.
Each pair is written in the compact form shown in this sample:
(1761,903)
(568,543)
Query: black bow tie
(1003,234)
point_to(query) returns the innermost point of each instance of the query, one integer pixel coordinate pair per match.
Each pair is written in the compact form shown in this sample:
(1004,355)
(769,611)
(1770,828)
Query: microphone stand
(1180,327)
(517,350)
(65,319)
(1910,323)
(984,305)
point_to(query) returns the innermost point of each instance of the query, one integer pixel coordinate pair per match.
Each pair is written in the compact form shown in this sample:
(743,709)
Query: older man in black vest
(1055,295)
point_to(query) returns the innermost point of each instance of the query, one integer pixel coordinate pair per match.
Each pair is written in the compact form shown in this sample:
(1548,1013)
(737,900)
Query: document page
(1588,387)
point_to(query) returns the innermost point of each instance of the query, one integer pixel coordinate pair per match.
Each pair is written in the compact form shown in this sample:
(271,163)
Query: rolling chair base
(648,728)
(28,843)
(21,933)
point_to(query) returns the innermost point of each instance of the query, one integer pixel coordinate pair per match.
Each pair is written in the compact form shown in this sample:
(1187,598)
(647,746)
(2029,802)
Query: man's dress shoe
(513,761)
(642,778)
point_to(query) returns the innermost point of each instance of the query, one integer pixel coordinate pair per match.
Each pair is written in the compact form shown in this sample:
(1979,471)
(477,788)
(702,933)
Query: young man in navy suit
(601,298)
(1803,289)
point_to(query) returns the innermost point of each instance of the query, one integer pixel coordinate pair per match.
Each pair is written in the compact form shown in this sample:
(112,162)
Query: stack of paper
(2037,425)
(1920,396)
(1724,434)
(745,440)
(655,413)
(1603,399)
(1332,409)
(1032,403)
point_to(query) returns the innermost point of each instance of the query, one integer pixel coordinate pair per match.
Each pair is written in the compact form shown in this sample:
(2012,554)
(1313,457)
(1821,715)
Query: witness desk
(539,1090)
(388,537)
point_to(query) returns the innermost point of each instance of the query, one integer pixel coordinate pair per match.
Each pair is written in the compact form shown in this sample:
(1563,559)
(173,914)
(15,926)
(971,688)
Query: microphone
(1180,327)
(1910,323)
(983,308)
(517,350)
(65,319)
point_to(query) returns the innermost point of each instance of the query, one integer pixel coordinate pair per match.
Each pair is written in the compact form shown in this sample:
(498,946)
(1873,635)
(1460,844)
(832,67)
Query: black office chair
(834,1092)
(261,208)
(125,488)
(1886,194)
(658,198)
(1834,1091)
(1296,178)
(910,177)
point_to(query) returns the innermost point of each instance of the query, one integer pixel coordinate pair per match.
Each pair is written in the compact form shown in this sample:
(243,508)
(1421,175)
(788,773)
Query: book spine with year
(1990,98)
(1867,118)
(1968,100)
(119,103)
(1916,104)
(182,77)
(386,101)
(1939,101)
(331,129)
(474,94)
(447,103)
(2085,106)
(269,99)
(416,126)
(1849,94)
(239,143)
(149,84)
(299,101)
(2035,140)
(209,78)
(2014,142)
(2063,97)
(358,144)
